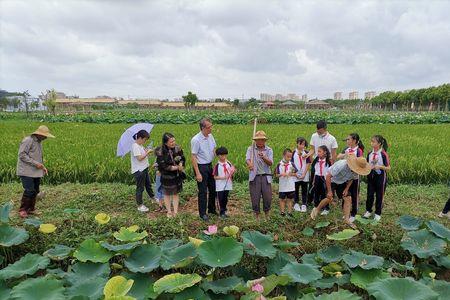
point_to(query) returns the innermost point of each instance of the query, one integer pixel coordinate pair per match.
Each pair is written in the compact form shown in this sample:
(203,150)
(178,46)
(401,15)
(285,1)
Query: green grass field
(86,152)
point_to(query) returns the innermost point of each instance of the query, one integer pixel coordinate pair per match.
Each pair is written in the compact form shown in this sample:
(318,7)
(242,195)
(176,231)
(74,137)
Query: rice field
(84,152)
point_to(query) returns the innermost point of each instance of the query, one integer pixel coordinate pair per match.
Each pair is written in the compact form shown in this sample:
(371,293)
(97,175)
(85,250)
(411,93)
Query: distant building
(292,96)
(353,95)
(267,97)
(338,96)
(369,95)
(317,104)
(305,97)
(279,97)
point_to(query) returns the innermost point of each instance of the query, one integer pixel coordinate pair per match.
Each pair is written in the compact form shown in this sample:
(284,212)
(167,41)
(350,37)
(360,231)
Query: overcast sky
(226,48)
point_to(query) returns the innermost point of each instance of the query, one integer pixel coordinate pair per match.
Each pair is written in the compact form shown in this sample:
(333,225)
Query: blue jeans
(158,187)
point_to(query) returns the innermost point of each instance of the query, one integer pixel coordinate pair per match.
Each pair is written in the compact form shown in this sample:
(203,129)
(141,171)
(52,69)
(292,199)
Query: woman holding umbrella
(171,162)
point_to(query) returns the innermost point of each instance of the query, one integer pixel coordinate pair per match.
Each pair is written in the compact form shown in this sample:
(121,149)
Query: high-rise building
(353,95)
(279,97)
(305,97)
(266,97)
(292,96)
(369,95)
(338,96)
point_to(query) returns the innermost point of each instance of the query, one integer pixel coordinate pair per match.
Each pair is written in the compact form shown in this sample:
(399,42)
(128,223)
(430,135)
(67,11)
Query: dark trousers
(142,182)
(376,186)
(354,193)
(260,188)
(304,187)
(223,200)
(446,207)
(320,189)
(31,189)
(207,185)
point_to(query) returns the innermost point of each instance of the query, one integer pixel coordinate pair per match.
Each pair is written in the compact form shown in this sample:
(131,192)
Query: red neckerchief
(300,159)
(225,170)
(321,163)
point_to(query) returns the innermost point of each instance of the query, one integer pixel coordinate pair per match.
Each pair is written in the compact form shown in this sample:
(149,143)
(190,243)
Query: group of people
(311,174)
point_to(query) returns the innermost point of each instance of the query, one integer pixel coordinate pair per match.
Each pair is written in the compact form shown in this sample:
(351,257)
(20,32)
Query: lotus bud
(338,274)
(432,275)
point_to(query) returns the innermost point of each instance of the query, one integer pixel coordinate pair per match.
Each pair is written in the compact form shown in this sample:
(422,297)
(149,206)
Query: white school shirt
(296,157)
(136,164)
(286,184)
(223,184)
(324,168)
(328,141)
(203,147)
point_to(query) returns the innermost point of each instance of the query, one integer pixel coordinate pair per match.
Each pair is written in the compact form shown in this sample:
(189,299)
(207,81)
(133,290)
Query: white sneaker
(143,208)
(314,213)
(377,217)
(367,214)
(351,219)
(303,208)
(297,207)
(325,212)
(441,215)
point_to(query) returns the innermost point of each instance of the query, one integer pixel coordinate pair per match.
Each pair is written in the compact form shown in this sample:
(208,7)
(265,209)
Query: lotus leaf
(102,218)
(280,260)
(175,283)
(308,231)
(362,278)
(41,288)
(231,231)
(400,288)
(90,250)
(10,236)
(409,222)
(35,222)
(439,230)
(178,257)
(87,271)
(47,228)
(301,273)
(222,286)
(220,252)
(126,235)
(117,286)
(322,224)
(333,253)
(343,235)
(5,209)
(358,259)
(423,244)
(26,265)
(121,247)
(144,259)
(257,243)
(59,252)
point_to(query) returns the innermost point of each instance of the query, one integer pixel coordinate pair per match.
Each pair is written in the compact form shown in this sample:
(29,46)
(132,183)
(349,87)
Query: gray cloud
(222,48)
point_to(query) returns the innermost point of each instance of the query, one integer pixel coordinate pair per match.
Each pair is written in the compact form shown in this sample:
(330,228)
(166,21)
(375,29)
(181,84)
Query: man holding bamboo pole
(259,159)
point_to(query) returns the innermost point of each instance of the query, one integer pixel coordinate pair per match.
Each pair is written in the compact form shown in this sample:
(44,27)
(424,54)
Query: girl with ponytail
(319,169)
(377,179)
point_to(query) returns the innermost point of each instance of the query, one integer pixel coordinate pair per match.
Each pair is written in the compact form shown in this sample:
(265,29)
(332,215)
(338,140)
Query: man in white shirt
(323,137)
(203,148)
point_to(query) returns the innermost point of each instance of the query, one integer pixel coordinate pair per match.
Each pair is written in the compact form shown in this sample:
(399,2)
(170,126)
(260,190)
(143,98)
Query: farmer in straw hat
(30,168)
(339,178)
(259,159)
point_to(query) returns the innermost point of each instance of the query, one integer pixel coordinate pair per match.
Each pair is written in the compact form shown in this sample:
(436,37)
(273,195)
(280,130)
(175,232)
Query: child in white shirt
(223,174)
(286,173)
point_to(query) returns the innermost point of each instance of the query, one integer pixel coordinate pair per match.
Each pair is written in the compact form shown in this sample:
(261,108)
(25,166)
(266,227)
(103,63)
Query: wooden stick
(252,160)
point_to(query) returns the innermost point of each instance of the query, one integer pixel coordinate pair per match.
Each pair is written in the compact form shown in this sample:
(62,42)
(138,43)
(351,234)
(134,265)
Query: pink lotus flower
(258,288)
(212,229)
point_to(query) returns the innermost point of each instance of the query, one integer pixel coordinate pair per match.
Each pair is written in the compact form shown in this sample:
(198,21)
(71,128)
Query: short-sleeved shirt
(136,164)
(223,170)
(356,151)
(30,154)
(203,147)
(341,173)
(286,184)
(301,163)
(260,167)
(378,158)
(328,141)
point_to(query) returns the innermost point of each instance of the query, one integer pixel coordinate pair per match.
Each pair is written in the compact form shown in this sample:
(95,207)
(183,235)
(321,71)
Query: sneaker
(303,208)
(377,217)
(351,219)
(143,208)
(441,215)
(297,207)
(314,213)
(325,212)
(367,214)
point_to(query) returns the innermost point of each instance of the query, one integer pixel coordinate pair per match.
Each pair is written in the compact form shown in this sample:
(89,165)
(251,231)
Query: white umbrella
(127,140)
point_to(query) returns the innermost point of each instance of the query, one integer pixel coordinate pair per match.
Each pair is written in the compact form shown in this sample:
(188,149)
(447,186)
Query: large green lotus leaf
(142,287)
(310,259)
(91,289)
(284,245)
(90,250)
(362,278)
(193,292)
(281,259)
(329,282)
(423,244)
(322,224)
(213,296)
(442,261)
(117,286)
(170,244)
(5,209)
(35,222)
(256,243)
(127,235)
(26,265)
(59,252)
(343,235)
(222,286)
(175,283)
(400,288)
(333,253)
(87,271)
(272,281)
(308,231)
(144,259)
(409,222)
(41,288)
(366,221)
(358,259)
(439,230)
(178,257)
(301,273)
(441,287)
(120,248)
(220,252)
(339,295)
(332,268)
(11,236)
(408,266)
(4,291)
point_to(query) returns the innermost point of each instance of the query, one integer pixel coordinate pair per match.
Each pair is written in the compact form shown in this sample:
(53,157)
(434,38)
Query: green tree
(190,99)
(236,102)
(50,100)
(26,101)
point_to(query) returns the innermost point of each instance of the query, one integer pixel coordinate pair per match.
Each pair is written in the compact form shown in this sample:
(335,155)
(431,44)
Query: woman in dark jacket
(171,162)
